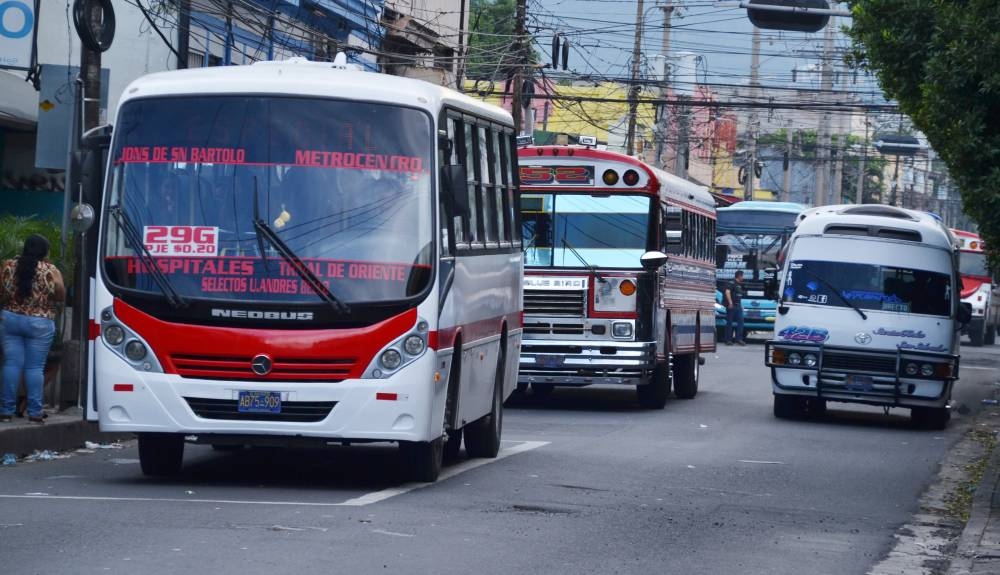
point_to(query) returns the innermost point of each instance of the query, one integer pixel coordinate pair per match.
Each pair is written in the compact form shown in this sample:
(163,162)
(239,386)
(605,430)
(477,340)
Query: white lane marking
(367,499)
(761,462)
(392,533)
(979,367)
(452,471)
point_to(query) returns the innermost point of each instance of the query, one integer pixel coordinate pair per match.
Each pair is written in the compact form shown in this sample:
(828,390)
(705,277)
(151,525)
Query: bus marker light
(627,287)
(610,177)
(123,387)
(383,396)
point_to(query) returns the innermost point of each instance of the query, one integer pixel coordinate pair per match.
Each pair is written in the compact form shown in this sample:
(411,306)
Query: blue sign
(17,27)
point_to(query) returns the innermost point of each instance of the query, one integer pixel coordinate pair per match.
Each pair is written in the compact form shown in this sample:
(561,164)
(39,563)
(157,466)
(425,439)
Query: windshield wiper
(593,269)
(264,231)
(135,238)
(835,291)
(256,217)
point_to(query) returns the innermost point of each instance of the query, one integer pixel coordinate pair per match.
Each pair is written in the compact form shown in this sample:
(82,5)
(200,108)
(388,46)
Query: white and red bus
(305,253)
(978,289)
(604,304)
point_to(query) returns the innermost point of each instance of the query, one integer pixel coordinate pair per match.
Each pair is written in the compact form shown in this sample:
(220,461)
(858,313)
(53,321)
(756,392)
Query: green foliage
(13,230)
(938,59)
(492,46)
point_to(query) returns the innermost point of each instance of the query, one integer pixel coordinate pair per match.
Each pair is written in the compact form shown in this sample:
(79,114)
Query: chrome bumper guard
(576,362)
(858,376)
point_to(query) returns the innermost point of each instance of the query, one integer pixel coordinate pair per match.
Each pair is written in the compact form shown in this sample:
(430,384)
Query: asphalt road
(588,483)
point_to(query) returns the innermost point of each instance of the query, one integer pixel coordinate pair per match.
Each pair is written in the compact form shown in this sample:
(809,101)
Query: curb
(969,542)
(70,433)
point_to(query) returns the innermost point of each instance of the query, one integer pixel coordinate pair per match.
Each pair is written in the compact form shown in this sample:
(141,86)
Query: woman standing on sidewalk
(30,290)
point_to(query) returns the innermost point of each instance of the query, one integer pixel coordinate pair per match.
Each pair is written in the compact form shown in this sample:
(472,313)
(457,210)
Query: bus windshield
(973,264)
(345,186)
(750,240)
(868,286)
(573,230)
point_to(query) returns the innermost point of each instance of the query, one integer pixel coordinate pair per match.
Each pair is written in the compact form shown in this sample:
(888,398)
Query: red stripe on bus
(474,331)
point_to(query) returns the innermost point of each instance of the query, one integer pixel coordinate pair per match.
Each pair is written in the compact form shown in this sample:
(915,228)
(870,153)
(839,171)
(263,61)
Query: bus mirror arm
(771,283)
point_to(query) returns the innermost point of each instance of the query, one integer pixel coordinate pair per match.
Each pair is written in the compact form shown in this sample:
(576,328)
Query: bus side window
(450,156)
(485,176)
(474,232)
(497,193)
(513,210)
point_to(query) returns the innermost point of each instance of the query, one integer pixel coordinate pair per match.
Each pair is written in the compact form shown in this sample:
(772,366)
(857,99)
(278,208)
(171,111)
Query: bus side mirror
(653,260)
(771,283)
(964,314)
(454,182)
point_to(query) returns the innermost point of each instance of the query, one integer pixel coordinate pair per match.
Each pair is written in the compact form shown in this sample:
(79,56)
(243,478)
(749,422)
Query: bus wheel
(930,417)
(161,454)
(541,390)
(482,436)
(788,406)
(991,335)
(453,445)
(423,459)
(654,394)
(720,334)
(977,335)
(686,375)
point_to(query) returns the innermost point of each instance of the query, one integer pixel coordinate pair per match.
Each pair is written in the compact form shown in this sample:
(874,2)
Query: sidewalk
(978,550)
(61,432)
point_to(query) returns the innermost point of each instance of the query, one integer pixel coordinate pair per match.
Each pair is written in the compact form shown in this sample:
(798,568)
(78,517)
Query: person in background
(31,289)
(733,300)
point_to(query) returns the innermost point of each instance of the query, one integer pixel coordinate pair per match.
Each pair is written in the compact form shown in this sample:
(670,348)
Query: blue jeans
(26,343)
(734,324)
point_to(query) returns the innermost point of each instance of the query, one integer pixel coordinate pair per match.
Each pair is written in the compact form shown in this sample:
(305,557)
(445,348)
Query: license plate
(860,383)
(259,402)
(550,360)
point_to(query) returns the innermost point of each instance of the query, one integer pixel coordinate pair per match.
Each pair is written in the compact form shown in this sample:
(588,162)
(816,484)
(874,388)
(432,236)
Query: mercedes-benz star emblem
(862,338)
(261,364)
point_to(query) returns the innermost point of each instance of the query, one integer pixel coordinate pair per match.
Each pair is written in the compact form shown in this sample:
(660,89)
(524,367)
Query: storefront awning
(18,102)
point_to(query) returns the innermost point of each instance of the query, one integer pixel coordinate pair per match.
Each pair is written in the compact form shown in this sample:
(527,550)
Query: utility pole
(633,91)
(752,127)
(786,182)
(183,33)
(519,63)
(664,124)
(859,194)
(823,145)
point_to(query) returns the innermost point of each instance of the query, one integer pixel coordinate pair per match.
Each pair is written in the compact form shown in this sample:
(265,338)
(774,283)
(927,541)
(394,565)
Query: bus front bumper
(852,375)
(578,363)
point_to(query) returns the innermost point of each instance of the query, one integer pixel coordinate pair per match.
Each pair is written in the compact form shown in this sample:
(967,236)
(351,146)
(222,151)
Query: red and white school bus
(978,289)
(296,252)
(604,304)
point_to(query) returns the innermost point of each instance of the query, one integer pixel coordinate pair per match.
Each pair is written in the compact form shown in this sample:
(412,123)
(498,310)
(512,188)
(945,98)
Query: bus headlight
(413,345)
(114,335)
(926,370)
(911,368)
(794,358)
(809,360)
(621,329)
(135,350)
(390,359)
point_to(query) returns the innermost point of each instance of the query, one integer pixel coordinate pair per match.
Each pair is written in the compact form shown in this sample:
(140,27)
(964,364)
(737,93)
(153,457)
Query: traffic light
(795,15)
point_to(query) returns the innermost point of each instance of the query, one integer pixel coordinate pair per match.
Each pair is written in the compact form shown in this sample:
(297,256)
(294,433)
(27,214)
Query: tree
(491,39)
(938,59)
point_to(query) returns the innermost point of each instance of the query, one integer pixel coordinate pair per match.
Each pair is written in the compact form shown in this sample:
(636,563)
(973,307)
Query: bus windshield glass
(573,230)
(345,186)
(868,287)
(752,253)
(973,264)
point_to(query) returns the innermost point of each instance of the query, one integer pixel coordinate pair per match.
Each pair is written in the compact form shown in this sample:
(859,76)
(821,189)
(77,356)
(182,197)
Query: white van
(868,313)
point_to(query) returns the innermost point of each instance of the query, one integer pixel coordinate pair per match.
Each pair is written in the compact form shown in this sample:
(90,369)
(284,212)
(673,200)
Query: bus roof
(759,205)
(674,188)
(816,221)
(301,77)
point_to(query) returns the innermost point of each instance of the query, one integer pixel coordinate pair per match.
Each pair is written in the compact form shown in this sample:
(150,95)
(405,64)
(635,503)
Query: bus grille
(546,328)
(283,369)
(294,411)
(566,303)
(860,363)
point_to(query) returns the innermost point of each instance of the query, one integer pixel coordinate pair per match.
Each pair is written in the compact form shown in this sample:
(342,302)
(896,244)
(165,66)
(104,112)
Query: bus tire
(542,390)
(991,335)
(977,333)
(787,406)
(161,454)
(482,436)
(934,418)
(686,370)
(720,334)
(654,394)
(423,459)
